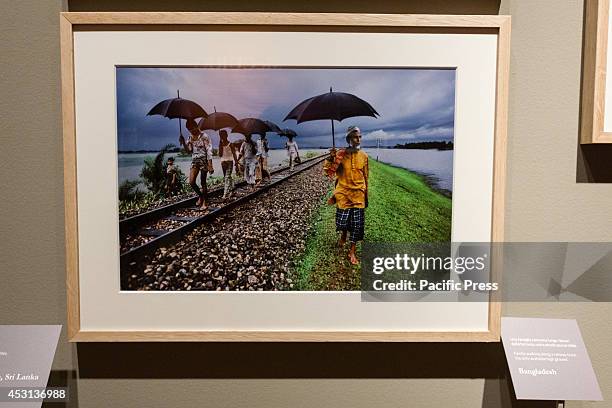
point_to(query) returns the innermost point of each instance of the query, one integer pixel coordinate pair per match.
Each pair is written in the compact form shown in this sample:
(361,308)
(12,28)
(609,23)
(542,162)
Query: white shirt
(247,152)
(261,148)
(292,148)
(201,147)
(227,153)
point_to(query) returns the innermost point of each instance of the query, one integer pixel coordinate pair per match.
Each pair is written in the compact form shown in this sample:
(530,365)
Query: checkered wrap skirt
(351,220)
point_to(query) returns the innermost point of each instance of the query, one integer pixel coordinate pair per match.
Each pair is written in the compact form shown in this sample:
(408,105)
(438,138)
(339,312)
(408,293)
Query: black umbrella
(250,126)
(287,132)
(178,108)
(273,126)
(217,121)
(333,106)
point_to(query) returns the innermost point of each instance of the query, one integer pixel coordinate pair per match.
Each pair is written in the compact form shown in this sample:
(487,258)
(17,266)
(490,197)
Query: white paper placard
(548,360)
(26,356)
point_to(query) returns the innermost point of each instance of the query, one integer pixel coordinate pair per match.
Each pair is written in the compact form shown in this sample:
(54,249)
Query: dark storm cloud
(414,104)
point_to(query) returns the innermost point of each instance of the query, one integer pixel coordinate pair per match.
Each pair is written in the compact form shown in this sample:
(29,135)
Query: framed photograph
(224,171)
(596,114)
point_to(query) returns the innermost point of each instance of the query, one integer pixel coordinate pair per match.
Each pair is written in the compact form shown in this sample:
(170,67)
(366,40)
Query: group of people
(347,167)
(248,158)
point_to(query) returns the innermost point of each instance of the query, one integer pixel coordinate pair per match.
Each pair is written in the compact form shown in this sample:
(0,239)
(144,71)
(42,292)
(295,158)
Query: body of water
(436,164)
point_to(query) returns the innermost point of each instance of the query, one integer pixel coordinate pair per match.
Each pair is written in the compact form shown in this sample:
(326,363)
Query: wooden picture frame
(594,73)
(72,22)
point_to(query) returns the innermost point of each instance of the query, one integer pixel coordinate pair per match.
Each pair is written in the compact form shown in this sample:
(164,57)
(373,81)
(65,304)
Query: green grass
(402,208)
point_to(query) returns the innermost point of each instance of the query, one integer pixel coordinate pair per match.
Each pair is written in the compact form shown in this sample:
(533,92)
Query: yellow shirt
(351,180)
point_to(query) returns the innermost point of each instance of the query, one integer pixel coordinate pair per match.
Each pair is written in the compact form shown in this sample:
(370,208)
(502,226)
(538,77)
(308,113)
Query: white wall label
(548,360)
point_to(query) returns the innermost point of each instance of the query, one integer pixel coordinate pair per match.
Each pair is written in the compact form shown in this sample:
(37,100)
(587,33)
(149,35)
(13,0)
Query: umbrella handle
(178,95)
(333,133)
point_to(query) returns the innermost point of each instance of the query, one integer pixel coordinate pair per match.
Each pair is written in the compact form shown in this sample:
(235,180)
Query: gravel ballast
(252,247)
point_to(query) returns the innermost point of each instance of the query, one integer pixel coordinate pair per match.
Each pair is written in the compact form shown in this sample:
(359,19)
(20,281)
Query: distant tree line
(426,145)
(177,150)
(173,149)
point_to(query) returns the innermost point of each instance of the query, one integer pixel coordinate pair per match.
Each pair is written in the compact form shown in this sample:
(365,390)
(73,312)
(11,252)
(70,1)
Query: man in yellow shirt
(349,168)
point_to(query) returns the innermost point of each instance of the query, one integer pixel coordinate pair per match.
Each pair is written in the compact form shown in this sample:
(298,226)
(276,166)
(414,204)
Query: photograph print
(272,178)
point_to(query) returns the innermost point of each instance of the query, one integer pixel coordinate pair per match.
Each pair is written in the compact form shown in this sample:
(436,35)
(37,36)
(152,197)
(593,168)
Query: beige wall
(544,203)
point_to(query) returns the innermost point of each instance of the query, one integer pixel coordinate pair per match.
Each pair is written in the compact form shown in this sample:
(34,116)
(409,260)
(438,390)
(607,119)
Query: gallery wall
(544,203)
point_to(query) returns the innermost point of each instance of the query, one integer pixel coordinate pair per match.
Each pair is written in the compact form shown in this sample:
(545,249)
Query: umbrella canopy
(273,126)
(217,121)
(250,126)
(178,108)
(333,106)
(287,132)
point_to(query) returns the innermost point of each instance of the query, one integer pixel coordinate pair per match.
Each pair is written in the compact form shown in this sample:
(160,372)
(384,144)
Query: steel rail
(165,239)
(130,224)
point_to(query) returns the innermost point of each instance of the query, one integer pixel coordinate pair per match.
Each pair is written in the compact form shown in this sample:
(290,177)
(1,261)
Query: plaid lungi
(351,220)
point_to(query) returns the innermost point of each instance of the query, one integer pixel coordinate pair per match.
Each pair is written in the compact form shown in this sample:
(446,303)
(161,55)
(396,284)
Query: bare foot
(199,202)
(203,207)
(353,259)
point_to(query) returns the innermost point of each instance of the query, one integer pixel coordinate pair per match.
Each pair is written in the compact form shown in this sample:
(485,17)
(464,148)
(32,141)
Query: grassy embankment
(402,208)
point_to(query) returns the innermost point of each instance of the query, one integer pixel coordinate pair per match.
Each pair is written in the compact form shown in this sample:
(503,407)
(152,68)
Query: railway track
(142,234)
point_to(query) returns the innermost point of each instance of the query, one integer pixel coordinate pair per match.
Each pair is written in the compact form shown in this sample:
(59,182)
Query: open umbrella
(178,108)
(251,126)
(287,132)
(333,106)
(218,121)
(273,126)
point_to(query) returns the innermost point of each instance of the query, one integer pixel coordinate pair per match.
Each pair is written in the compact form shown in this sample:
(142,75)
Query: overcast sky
(414,104)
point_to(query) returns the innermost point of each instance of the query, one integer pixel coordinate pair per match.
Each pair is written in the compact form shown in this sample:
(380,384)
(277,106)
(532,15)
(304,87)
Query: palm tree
(153,172)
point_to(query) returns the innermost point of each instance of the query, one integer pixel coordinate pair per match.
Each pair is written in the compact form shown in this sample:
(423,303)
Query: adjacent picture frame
(596,108)
(91,312)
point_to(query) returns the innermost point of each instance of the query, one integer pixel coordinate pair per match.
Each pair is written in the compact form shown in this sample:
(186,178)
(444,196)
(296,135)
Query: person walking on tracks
(227,153)
(262,168)
(292,152)
(250,156)
(200,147)
(349,168)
